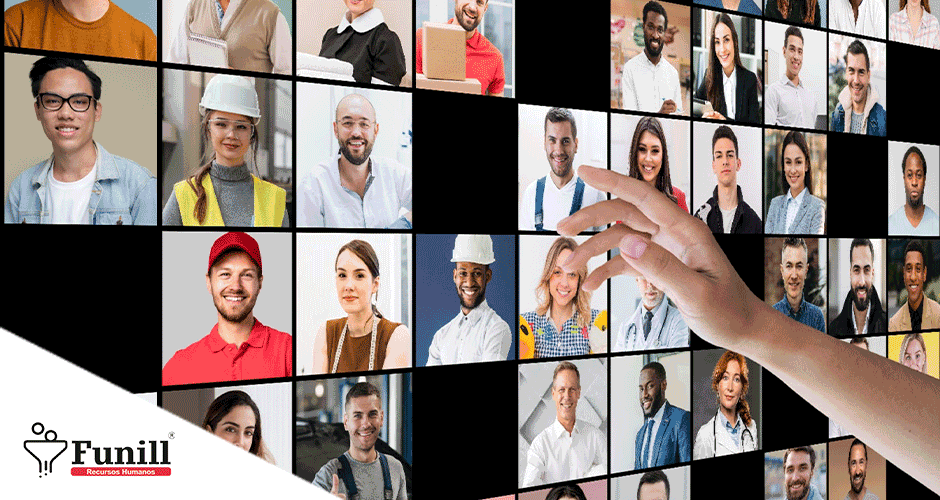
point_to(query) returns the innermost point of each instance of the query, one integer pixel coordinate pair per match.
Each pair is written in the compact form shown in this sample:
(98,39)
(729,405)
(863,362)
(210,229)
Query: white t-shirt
(69,200)
(556,203)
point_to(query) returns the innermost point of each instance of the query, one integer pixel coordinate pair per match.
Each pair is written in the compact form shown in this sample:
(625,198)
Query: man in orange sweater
(96,27)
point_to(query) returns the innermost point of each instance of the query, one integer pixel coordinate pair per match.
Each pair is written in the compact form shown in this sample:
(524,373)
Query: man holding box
(484,61)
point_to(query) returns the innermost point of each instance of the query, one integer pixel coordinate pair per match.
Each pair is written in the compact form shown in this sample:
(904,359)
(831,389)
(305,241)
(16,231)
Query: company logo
(46,450)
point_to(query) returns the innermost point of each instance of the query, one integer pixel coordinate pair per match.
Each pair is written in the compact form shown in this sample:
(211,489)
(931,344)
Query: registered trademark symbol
(172,434)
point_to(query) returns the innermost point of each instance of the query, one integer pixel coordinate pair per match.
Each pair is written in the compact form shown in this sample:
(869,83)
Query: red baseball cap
(237,240)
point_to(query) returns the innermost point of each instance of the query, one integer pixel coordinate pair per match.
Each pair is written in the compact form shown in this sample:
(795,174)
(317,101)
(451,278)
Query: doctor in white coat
(732,429)
(656,324)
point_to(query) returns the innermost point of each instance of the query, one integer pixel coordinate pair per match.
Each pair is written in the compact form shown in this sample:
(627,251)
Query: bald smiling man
(353,189)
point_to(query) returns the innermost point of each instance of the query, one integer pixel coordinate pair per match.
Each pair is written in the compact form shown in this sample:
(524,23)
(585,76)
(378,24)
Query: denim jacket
(123,193)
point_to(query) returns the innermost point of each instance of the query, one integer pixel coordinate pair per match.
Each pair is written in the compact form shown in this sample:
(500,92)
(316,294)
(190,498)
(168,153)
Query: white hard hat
(476,248)
(230,93)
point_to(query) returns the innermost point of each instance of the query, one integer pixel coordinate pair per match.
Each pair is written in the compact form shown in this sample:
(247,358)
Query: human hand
(670,35)
(671,248)
(714,115)
(669,106)
(335,491)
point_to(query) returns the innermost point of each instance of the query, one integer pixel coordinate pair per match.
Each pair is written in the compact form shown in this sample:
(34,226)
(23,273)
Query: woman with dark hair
(235,417)
(223,191)
(563,320)
(797,211)
(728,85)
(363,340)
(742,6)
(732,429)
(566,492)
(794,11)
(649,159)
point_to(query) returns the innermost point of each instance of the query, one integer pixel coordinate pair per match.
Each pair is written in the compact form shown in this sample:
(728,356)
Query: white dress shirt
(657,419)
(730,84)
(790,105)
(793,206)
(557,456)
(645,86)
(871,18)
(556,203)
(324,202)
(281,47)
(478,336)
(667,329)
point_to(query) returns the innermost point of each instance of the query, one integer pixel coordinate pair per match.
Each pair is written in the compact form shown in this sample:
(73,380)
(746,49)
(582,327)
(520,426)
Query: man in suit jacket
(665,437)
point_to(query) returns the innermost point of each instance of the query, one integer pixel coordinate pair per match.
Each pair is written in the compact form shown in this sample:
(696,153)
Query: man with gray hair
(477,333)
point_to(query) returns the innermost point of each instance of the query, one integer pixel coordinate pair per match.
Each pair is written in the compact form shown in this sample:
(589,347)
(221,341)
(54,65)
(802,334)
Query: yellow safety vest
(270,203)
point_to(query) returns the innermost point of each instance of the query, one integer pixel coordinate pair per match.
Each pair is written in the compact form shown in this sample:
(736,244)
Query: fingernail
(633,246)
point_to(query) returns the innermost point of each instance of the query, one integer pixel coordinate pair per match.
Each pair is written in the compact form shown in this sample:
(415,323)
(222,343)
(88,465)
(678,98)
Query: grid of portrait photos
(295,140)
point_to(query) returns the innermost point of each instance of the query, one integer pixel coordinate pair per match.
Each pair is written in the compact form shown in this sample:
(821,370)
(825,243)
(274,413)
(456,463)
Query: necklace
(342,338)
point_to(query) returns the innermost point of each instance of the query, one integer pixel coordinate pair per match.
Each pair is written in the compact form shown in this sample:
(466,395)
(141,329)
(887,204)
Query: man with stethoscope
(732,429)
(654,325)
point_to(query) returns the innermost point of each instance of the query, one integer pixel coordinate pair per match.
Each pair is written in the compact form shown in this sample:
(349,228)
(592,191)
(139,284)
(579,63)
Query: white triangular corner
(76,405)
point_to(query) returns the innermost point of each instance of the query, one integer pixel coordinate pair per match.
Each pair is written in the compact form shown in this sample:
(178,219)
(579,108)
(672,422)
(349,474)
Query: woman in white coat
(732,429)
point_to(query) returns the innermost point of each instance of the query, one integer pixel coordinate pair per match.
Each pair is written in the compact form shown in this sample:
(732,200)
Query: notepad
(207,51)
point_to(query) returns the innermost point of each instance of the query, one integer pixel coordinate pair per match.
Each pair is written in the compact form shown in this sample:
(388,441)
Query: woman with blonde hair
(562,321)
(364,339)
(223,191)
(732,429)
(913,354)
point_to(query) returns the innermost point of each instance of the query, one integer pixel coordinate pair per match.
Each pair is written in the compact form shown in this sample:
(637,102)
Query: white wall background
(532,252)
(896,196)
(533,164)
(274,403)
(813,71)
(317,300)
(316,106)
(750,148)
(840,277)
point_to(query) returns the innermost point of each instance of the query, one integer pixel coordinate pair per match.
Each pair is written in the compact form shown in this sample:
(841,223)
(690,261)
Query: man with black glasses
(81,183)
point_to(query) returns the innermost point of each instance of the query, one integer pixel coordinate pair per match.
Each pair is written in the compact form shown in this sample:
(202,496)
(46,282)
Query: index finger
(335,484)
(658,209)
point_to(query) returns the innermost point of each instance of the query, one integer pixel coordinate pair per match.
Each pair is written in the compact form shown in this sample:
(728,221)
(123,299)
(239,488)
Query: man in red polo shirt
(239,347)
(484,61)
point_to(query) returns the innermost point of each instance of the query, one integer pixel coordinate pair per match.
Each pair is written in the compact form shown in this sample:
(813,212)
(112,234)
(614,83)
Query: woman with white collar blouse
(797,211)
(365,41)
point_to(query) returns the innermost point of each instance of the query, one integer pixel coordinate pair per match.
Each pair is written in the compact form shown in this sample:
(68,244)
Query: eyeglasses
(53,102)
(223,126)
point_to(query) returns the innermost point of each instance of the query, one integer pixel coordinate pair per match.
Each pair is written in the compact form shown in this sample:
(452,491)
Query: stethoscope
(631,330)
(746,431)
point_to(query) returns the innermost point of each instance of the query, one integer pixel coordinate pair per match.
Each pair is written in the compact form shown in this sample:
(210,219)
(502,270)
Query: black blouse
(796,14)
(375,53)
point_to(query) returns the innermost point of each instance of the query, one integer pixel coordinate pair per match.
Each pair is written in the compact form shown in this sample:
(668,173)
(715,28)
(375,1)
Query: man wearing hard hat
(477,333)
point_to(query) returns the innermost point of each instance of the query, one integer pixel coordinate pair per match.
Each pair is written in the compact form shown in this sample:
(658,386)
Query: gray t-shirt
(868,496)
(368,477)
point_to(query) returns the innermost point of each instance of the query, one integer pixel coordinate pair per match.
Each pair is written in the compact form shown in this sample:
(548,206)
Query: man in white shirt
(354,189)
(862,17)
(915,218)
(649,83)
(655,324)
(561,193)
(477,333)
(789,102)
(568,449)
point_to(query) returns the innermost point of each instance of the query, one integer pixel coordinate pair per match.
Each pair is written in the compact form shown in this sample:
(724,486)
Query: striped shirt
(571,341)
(928,34)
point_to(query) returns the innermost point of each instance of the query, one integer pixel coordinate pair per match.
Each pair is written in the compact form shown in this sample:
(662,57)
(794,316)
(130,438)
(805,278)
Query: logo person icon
(45,451)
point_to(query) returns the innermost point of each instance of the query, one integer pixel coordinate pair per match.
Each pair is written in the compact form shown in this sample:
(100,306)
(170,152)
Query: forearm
(894,412)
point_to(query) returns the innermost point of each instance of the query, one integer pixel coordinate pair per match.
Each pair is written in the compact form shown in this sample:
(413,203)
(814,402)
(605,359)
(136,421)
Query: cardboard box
(467,86)
(444,51)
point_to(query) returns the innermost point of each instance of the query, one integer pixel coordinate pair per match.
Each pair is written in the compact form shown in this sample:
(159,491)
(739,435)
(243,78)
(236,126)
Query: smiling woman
(797,211)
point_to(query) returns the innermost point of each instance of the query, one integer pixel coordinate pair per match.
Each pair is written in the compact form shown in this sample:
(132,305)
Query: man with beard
(861,312)
(649,82)
(798,466)
(858,464)
(569,448)
(354,189)
(789,101)
(362,473)
(545,203)
(859,99)
(665,437)
(484,60)
(919,311)
(477,333)
(914,218)
(239,347)
(793,268)
(659,321)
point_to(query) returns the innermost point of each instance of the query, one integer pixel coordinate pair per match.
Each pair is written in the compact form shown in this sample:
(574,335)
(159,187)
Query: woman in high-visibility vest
(224,192)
